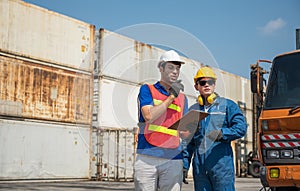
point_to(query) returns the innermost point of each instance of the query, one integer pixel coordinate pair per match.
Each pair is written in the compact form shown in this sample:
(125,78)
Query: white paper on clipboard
(189,121)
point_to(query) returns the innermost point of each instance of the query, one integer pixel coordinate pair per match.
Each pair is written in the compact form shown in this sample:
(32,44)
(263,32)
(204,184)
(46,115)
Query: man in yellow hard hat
(159,162)
(210,147)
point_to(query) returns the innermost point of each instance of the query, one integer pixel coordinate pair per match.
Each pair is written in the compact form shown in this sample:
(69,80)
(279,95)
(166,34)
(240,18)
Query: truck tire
(254,169)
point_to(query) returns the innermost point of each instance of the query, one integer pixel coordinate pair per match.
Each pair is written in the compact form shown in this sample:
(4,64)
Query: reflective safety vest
(157,133)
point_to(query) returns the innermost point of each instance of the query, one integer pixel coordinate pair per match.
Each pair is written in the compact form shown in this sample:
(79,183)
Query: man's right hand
(176,87)
(184,134)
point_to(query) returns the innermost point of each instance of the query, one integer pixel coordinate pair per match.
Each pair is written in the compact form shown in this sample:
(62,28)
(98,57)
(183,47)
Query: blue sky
(236,32)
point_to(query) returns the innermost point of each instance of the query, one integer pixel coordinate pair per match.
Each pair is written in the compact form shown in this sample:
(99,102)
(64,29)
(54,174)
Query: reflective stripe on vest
(162,129)
(171,106)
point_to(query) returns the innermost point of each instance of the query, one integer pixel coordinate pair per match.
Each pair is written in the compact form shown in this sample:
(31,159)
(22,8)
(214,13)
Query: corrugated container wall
(34,32)
(43,150)
(46,93)
(37,91)
(124,64)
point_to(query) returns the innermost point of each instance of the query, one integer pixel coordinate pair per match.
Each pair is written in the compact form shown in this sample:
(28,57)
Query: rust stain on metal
(139,46)
(45,92)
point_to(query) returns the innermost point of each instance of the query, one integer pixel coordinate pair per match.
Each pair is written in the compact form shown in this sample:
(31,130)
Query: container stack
(46,90)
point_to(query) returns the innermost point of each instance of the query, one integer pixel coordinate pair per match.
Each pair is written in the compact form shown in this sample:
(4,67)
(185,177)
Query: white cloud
(273,26)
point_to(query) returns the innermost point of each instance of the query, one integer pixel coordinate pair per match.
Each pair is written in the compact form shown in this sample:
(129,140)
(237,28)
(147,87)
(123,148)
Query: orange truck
(277,105)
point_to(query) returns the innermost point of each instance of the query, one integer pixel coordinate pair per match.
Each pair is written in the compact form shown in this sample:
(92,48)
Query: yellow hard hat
(205,71)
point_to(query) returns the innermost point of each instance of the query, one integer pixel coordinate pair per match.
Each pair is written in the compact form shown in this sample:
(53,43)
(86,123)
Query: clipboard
(189,121)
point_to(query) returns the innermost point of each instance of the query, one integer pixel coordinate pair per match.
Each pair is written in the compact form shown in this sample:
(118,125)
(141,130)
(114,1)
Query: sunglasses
(203,82)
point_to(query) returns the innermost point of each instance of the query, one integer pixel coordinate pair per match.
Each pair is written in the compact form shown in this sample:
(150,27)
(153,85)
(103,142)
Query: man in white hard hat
(159,152)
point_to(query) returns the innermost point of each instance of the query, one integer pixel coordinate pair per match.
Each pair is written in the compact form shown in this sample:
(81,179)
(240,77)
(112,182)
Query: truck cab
(278,121)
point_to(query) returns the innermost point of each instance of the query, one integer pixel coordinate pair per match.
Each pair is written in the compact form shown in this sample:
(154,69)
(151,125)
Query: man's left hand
(185,175)
(215,135)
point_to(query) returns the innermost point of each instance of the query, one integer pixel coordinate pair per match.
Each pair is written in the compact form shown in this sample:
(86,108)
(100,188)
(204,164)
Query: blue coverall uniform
(213,168)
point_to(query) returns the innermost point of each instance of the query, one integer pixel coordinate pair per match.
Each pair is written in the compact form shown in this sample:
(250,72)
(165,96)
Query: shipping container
(34,32)
(124,64)
(33,149)
(30,89)
(116,150)
(46,93)
(132,61)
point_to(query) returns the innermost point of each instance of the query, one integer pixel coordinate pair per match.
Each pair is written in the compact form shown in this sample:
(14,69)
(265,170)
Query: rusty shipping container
(46,93)
(36,91)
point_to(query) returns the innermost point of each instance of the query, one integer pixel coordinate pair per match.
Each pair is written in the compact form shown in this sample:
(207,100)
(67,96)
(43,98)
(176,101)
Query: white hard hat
(170,56)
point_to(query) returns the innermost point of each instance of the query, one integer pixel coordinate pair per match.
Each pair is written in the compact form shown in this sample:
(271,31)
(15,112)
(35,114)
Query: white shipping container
(123,59)
(117,105)
(43,150)
(94,153)
(31,31)
(126,59)
(117,57)
(116,151)
(125,64)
